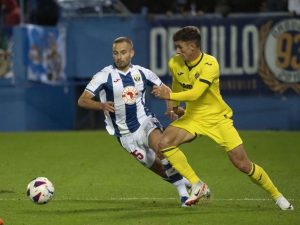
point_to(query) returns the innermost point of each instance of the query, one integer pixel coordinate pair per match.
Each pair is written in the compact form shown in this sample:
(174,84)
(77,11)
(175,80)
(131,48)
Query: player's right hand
(108,106)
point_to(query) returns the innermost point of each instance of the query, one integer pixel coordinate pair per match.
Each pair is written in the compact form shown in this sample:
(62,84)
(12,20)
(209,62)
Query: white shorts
(137,143)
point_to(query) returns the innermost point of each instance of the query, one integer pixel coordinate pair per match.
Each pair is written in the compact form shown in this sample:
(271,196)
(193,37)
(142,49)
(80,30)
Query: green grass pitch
(98,183)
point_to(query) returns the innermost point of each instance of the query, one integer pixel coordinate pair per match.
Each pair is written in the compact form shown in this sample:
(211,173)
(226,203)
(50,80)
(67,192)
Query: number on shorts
(137,154)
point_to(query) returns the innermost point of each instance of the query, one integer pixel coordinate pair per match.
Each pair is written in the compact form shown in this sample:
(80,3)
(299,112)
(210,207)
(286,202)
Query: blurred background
(49,50)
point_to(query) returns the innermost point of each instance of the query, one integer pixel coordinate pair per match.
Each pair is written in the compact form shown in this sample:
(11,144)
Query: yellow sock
(259,176)
(178,160)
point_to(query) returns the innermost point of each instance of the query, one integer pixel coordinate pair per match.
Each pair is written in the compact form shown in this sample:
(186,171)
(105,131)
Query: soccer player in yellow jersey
(196,82)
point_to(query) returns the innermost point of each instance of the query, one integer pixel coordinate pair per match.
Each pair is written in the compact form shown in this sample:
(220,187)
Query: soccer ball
(40,190)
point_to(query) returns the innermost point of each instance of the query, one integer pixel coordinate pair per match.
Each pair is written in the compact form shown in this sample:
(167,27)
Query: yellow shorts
(222,132)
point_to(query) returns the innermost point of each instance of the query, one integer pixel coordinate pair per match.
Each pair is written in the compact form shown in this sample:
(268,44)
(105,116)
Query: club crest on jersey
(129,95)
(136,77)
(197,75)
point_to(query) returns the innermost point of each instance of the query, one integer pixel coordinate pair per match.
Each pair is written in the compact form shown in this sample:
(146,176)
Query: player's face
(122,55)
(186,49)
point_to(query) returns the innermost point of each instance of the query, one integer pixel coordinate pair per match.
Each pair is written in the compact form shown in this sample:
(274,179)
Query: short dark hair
(123,39)
(188,33)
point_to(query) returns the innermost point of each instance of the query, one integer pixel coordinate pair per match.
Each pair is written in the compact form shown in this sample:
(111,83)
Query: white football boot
(199,190)
(283,203)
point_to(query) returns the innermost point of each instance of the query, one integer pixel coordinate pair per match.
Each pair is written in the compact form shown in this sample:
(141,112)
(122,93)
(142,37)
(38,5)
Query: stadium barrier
(44,69)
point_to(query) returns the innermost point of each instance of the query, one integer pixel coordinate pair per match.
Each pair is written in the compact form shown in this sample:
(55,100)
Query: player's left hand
(171,115)
(162,92)
(179,111)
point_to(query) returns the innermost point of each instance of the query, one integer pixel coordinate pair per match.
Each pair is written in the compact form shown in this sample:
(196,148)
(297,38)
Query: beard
(122,65)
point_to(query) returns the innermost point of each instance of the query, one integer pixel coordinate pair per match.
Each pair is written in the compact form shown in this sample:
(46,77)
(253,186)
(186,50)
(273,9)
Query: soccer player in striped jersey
(196,82)
(121,91)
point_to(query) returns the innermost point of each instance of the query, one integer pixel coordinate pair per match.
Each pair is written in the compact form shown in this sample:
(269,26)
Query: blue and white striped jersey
(127,91)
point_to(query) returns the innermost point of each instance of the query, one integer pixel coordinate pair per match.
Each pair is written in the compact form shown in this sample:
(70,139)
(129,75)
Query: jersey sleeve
(96,82)
(152,78)
(210,71)
(190,95)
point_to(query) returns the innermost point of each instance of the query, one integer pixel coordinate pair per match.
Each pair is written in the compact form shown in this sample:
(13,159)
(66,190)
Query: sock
(181,189)
(187,183)
(260,177)
(176,157)
(175,178)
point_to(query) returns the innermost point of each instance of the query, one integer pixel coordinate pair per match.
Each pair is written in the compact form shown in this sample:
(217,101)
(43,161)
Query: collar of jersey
(195,62)
(121,72)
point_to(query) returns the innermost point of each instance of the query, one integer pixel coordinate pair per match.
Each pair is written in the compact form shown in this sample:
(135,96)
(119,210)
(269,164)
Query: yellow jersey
(197,84)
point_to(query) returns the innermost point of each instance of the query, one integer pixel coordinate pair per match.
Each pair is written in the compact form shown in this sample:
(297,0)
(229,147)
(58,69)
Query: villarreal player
(196,79)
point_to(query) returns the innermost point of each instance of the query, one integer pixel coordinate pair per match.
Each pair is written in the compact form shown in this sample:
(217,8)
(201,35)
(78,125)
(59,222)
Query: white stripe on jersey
(127,91)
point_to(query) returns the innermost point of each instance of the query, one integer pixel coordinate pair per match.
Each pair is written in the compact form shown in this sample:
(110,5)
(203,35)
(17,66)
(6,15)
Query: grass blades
(98,183)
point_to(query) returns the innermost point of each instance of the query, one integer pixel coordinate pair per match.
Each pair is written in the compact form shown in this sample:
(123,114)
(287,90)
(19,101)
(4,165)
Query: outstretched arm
(86,101)
(190,95)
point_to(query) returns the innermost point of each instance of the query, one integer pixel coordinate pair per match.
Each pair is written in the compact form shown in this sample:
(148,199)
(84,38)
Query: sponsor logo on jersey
(129,95)
(186,86)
